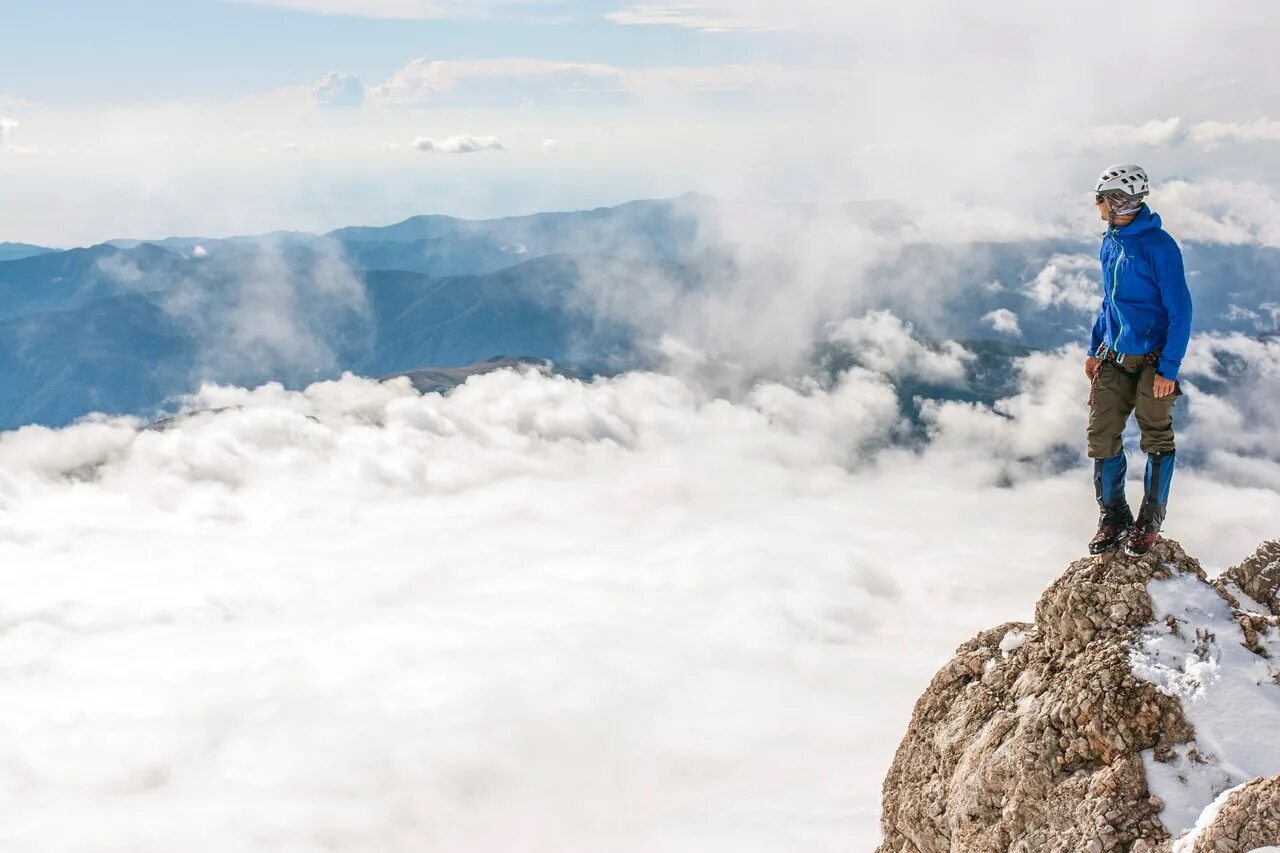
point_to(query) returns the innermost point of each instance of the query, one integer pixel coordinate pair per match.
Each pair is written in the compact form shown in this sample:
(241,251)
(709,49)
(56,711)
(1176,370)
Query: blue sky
(76,52)
(144,118)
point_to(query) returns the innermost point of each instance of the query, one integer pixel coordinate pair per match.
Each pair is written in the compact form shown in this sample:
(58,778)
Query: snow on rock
(1012,640)
(1195,650)
(1243,818)
(1207,817)
(1255,583)
(1141,712)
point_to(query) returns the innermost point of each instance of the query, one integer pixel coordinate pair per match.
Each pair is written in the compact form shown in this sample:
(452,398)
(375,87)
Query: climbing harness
(1121,360)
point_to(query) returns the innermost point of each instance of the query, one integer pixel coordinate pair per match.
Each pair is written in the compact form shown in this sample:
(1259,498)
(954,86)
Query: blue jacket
(1146,305)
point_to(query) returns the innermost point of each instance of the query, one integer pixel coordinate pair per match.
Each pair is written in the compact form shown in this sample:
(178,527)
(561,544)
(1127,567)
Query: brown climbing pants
(1117,393)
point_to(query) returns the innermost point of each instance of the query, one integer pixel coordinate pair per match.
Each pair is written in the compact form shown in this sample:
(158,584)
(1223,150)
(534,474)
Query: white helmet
(1128,178)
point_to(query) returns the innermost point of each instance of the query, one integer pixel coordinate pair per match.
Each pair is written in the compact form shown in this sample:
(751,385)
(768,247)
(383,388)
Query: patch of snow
(1012,639)
(1194,650)
(1247,601)
(1187,842)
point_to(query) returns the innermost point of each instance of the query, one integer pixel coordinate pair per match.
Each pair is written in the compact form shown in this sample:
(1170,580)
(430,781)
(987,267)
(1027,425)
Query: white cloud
(371,619)
(882,342)
(458,144)
(1123,137)
(1003,320)
(336,89)
(550,144)
(1240,416)
(1211,134)
(1218,211)
(1020,433)
(7,127)
(1069,280)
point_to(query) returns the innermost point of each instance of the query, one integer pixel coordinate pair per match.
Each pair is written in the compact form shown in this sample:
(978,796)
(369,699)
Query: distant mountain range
(124,326)
(16,251)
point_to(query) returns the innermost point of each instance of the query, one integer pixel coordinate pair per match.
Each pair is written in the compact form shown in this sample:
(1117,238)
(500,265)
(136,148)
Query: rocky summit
(1139,712)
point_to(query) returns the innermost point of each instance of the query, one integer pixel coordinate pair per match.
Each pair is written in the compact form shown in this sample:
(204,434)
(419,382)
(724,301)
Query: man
(1135,352)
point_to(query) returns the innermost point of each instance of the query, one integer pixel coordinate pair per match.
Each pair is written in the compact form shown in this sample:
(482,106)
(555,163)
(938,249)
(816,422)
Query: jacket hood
(1146,220)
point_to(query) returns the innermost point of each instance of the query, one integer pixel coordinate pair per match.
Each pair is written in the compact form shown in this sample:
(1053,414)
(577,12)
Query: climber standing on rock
(1136,349)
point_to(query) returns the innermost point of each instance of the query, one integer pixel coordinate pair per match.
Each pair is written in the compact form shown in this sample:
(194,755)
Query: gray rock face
(1030,739)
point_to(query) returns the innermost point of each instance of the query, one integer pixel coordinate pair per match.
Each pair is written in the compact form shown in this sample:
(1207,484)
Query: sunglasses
(1098,199)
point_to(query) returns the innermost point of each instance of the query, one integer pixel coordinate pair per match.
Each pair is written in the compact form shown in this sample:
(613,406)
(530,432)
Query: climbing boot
(1145,529)
(1112,528)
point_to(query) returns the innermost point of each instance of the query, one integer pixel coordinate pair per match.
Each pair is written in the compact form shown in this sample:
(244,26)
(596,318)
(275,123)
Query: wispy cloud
(413,9)
(423,80)
(7,126)
(1153,133)
(264,314)
(1211,134)
(1170,132)
(710,15)
(12,102)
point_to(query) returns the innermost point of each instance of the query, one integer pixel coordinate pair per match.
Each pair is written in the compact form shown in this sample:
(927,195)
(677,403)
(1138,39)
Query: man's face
(1104,209)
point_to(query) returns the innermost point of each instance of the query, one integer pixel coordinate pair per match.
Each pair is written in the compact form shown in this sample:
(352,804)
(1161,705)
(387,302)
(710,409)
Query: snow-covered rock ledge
(1140,712)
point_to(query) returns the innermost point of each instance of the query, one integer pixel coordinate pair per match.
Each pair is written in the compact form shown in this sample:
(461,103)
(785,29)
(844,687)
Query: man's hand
(1091,365)
(1162,387)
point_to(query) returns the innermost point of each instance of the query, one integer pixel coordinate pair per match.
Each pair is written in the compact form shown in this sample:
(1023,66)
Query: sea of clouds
(539,613)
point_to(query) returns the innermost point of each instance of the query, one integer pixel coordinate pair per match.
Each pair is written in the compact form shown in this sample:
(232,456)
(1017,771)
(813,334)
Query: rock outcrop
(1073,733)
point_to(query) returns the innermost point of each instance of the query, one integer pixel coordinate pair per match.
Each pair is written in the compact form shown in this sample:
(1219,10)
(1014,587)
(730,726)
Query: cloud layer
(540,612)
